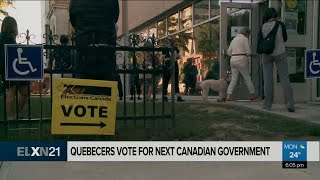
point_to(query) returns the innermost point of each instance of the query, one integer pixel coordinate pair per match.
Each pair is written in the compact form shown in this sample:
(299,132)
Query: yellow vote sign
(85,107)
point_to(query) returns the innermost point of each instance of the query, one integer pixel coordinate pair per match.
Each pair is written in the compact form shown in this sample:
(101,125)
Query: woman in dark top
(9,32)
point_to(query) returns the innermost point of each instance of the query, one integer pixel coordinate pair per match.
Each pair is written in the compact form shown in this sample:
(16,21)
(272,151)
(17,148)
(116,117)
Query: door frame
(316,45)
(254,61)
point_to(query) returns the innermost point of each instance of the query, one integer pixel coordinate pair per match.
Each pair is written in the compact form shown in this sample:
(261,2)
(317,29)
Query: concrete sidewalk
(155,171)
(304,111)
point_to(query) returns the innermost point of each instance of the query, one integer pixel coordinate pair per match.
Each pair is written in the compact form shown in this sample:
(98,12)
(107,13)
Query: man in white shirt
(239,50)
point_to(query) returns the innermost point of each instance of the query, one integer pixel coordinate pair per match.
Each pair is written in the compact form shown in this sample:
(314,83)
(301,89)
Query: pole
(125,31)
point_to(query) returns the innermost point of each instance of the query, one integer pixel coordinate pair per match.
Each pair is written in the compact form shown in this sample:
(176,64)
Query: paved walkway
(155,171)
(304,111)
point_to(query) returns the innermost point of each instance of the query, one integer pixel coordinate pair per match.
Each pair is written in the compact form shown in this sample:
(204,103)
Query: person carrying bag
(271,44)
(266,45)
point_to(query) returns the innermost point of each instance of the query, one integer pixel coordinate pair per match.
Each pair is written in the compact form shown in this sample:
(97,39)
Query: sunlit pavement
(155,171)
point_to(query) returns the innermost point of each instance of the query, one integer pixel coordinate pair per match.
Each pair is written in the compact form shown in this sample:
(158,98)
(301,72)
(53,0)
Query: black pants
(98,64)
(190,84)
(120,89)
(135,86)
(167,77)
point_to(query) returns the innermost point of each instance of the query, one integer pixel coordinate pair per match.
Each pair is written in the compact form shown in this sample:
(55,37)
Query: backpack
(266,45)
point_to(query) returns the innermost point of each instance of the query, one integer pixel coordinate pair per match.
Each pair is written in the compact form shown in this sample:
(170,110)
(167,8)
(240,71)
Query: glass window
(295,16)
(296,63)
(162,26)
(236,21)
(214,8)
(173,25)
(153,31)
(144,34)
(200,11)
(207,38)
(186,18)
(184,42)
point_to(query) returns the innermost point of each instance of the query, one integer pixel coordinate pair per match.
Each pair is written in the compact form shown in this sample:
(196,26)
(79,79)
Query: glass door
(235,16)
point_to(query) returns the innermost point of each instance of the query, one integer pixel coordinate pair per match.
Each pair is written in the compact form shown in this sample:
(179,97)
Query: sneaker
(291,109)
(179,99)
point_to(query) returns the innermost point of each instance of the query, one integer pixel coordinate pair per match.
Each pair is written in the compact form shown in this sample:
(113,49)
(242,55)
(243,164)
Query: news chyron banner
(293,154)
(85,107)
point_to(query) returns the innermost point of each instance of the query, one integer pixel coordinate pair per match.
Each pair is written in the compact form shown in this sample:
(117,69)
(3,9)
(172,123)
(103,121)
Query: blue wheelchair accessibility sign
(23,62)
(312,64)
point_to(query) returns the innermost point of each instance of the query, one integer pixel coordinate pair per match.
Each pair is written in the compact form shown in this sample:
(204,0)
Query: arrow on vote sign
(101,124)
(84,106)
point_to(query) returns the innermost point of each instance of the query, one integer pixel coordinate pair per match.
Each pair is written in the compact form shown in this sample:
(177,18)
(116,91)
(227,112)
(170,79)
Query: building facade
(58,17)
(44,18)
(203,29)
(54,22)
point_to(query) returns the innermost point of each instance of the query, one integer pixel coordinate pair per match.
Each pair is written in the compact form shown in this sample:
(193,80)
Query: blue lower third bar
(33,151)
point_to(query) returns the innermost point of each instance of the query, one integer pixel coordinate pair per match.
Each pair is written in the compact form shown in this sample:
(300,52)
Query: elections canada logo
(69,91)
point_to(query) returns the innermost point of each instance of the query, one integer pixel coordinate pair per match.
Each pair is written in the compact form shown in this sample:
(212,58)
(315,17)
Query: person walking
(9,32)
(167,74)
(239,50)
(120,88)
(135,82)
(95,24)
(277,56)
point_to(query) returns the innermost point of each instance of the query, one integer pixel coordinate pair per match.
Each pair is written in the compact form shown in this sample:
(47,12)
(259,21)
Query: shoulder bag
(266,45)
